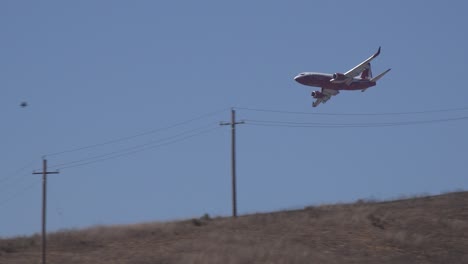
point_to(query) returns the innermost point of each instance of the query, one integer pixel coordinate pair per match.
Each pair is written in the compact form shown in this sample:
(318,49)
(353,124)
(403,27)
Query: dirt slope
(420,230)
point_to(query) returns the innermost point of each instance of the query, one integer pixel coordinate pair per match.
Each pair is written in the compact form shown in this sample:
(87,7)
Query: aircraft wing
(326,95)
(361,67)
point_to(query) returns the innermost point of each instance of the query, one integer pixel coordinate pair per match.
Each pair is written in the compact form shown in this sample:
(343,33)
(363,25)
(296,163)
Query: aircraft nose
(299,78)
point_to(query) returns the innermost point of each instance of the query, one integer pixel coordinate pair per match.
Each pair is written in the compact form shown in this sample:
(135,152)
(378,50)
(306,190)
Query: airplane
(331,84)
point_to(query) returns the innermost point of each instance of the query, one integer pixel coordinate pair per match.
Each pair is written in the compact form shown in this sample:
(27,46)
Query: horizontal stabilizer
(379,76)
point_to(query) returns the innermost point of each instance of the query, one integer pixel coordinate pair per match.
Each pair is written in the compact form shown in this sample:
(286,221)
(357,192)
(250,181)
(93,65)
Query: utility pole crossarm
(230,124)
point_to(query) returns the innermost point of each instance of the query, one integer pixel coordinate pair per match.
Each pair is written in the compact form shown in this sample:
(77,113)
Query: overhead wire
(114,154)
(206,129)
(128,149)
(15,179)
(354,114)
(273,123)
(20,192)
(18,178)
(16,172)
(133,150)
(137,135)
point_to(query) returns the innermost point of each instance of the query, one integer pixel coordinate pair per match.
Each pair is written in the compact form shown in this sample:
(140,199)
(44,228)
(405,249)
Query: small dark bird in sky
(23,104)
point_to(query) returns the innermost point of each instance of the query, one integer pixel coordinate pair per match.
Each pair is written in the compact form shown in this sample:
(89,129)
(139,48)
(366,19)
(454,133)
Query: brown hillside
(420,230)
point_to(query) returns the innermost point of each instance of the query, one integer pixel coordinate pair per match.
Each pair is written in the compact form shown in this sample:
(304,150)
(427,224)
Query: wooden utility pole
(44,203)
(233,124)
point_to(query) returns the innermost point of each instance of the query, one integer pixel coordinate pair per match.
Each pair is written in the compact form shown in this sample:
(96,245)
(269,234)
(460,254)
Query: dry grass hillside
(420,230)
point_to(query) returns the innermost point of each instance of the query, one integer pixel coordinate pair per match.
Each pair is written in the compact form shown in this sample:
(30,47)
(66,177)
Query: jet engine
(338,78)
(317,94)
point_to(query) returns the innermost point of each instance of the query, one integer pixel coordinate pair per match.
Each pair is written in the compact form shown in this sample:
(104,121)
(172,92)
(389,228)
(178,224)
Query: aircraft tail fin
(367,72)
(379,76)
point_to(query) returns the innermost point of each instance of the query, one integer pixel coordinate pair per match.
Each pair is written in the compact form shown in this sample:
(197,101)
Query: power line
(20,192)
(128,149)
(274,123)
(20,178)
(106,157)
(16,172)
(15,177)
(354,114)
(137,135)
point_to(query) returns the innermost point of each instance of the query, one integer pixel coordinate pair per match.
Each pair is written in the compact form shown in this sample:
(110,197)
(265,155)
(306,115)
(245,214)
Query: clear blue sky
(96,71)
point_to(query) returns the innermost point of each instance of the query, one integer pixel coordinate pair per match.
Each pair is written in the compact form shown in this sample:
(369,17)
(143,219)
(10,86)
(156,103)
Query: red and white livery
(331,84)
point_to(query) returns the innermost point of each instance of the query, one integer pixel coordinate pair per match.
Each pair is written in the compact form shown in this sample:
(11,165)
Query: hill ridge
(430,229)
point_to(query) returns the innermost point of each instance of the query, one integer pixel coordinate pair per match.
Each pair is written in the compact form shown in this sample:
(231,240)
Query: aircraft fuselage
(323,80)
